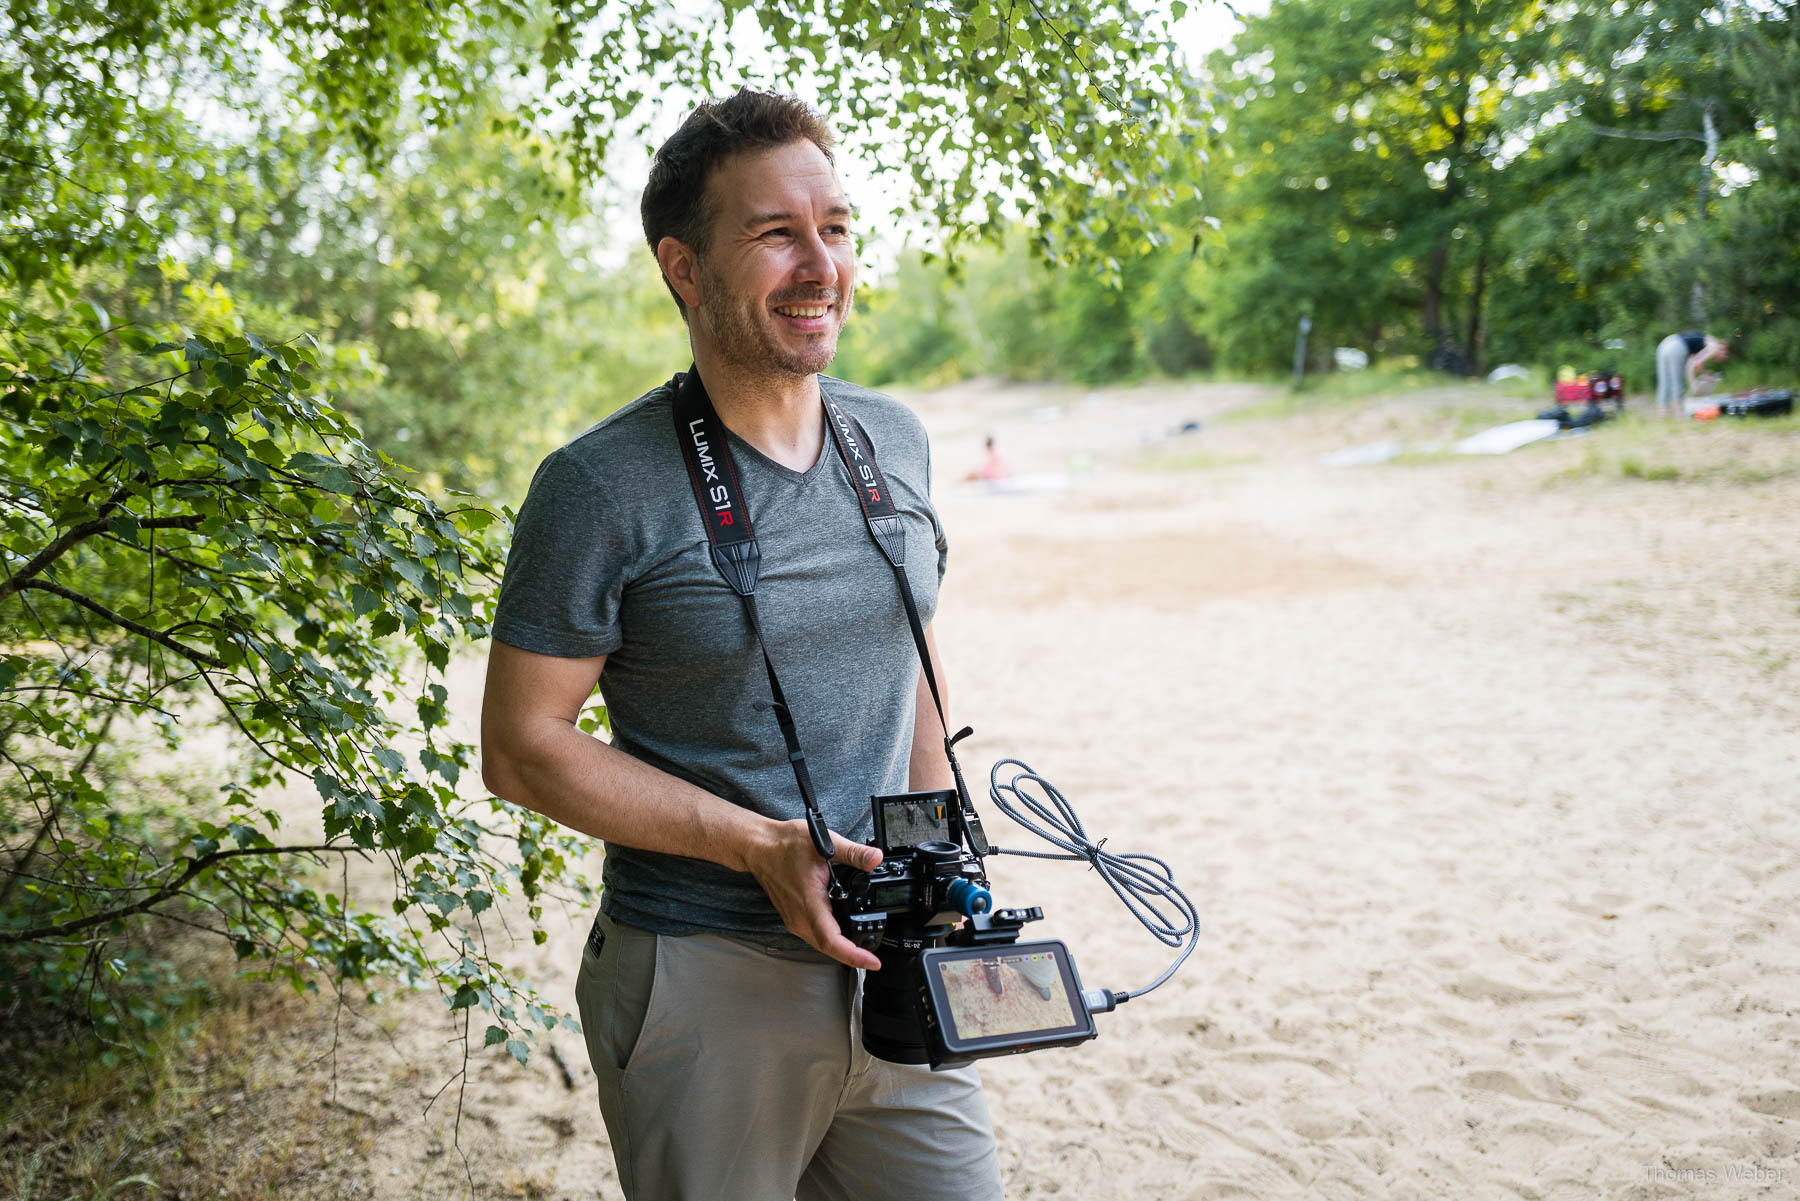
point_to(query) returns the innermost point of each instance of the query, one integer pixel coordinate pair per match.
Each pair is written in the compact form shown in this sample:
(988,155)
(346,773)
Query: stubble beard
(746,342)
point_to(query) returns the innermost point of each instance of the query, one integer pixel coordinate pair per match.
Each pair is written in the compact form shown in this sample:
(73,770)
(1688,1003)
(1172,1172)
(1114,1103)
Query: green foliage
(1363,139)
(1000,311)
(1075,114)
(465,277)
(1505,181)
(1075,107)
(190,536)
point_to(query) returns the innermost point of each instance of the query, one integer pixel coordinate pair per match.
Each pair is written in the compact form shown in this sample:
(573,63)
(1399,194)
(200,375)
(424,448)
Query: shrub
(192,538)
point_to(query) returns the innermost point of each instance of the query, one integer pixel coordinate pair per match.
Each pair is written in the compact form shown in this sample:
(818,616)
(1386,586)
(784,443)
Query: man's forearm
(585,784)
(580,782)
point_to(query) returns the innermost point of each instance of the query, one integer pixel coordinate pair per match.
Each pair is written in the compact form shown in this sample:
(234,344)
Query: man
(1679,358)
(718,996)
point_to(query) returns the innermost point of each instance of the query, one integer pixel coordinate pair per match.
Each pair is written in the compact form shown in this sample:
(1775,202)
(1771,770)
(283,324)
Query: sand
(1481,773)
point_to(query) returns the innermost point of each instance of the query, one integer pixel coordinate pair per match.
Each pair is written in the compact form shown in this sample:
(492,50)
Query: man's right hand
(788,867)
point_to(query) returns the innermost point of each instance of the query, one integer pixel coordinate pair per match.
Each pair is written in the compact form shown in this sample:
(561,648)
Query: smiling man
(718,996)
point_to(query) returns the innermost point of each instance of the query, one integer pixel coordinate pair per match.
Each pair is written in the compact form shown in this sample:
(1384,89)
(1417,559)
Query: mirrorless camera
(955,984)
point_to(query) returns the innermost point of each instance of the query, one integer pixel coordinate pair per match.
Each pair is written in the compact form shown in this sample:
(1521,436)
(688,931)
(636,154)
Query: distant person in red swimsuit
(993,468)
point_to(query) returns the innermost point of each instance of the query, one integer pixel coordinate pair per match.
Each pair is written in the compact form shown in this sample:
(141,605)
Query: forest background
(253,259)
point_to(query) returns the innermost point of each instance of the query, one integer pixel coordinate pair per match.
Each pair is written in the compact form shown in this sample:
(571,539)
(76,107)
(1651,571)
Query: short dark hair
(675,200)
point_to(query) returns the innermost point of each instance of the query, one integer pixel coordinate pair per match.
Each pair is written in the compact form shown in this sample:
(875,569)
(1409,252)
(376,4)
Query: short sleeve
(937,526)
(566,570)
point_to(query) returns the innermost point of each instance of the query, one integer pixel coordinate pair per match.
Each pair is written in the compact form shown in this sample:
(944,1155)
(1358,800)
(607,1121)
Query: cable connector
(1103,1000)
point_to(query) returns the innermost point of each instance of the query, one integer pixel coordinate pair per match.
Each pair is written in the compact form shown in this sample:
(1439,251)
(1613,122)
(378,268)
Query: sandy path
(1483,782)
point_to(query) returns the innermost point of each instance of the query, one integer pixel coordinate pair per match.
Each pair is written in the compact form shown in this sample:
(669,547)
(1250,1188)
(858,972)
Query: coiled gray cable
(1144,883)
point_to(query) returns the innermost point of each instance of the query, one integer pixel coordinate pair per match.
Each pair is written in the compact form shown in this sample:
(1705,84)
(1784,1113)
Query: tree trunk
(1445,353)
(1432,308)
(1475,335)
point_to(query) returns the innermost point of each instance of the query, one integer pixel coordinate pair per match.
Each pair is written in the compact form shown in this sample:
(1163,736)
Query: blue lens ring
(969,898)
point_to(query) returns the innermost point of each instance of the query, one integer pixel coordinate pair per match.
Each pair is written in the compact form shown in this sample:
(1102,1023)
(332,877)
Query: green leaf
(494,1036)
(520,1051)
(364,601)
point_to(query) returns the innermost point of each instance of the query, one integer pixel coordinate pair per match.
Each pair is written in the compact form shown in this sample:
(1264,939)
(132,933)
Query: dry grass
(241,1110)
(1745,451)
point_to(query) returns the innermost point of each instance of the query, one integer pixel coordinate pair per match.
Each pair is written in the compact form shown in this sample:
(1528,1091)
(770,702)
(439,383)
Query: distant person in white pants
(1679,358)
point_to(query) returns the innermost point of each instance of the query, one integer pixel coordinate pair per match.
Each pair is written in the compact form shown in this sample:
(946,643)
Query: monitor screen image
(1007,993)
(909,822)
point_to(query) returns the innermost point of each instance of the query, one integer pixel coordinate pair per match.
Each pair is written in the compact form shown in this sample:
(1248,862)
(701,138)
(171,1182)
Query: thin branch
(192,654)
(138,702)
(196,567)
(1648,135)
(43,834)
(194,868)
(54,551)
(231,711)
(46,168)
(189,922)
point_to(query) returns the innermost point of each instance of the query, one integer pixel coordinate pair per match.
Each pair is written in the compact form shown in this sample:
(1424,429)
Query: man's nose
(815,264)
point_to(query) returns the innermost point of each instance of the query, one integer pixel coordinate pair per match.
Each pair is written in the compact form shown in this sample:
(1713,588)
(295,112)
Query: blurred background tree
(1453,183)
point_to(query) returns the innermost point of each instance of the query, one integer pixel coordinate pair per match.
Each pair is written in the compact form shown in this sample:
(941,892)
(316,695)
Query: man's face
(777,281)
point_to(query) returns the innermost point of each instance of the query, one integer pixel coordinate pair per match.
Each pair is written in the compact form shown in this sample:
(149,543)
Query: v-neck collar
(782,470)
(742,446)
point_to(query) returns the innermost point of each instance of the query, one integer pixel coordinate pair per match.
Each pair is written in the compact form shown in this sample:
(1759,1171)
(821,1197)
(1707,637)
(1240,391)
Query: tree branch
(37,844)
(141,701)
(125,623)
(54,551)
(1648,135)
(194,868)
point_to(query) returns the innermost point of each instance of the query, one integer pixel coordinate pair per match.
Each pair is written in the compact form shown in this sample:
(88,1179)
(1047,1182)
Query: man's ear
(680,267)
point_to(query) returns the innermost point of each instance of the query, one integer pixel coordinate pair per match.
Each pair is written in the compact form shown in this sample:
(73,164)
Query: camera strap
(889,532)
(712,473)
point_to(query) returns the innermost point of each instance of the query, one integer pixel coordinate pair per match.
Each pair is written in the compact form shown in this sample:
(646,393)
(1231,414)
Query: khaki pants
(732,1073)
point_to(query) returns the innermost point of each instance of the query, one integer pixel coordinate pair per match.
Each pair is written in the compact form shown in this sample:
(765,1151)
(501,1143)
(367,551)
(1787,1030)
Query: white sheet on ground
(1504,438)
(1362,456)
(1021,485)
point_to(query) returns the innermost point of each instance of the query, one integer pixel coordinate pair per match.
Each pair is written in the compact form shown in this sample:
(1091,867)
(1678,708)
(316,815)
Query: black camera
(955,984)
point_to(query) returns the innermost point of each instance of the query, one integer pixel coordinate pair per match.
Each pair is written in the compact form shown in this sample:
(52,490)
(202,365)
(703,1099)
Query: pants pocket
(615,992)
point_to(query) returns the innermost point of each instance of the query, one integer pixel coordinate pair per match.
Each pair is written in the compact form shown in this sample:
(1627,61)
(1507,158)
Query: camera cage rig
(926,913)
(1144,883)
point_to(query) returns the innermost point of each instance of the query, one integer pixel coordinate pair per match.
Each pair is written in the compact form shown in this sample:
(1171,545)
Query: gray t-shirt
(609,557)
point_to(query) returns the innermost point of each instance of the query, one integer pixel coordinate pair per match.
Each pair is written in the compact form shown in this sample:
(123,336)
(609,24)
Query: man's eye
(780,232)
